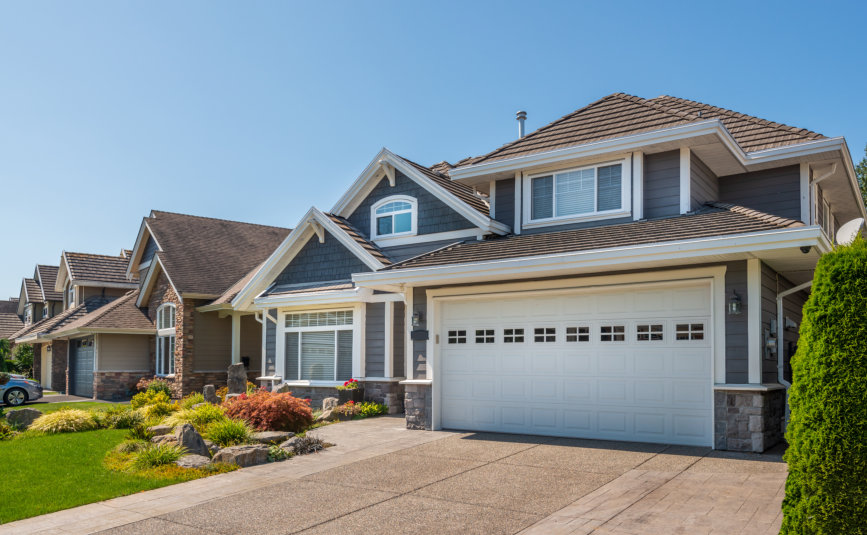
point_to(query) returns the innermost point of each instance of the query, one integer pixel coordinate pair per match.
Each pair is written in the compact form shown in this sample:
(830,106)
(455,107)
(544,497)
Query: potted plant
(346,411)
(350,391)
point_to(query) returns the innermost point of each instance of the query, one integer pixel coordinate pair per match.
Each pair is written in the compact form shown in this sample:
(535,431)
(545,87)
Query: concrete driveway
(381,478)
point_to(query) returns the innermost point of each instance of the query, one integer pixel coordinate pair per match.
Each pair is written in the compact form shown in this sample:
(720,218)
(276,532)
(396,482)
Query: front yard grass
(47,473)
(53,407)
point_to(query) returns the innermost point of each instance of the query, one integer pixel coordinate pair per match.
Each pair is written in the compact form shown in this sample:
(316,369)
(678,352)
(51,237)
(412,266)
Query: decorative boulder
(248,455)
(210,394)
(212,448)
(189,438)
(289,445)
(160,439)
(22,418)
(283,389)
(271,437)
(326,416)
(237,382)
(159,430)
(193,461)
(329,403)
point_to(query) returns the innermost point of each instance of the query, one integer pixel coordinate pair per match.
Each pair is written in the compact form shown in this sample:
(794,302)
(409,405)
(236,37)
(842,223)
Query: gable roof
(206,256)
(438,173)
(96,268)
(32,291)
(122,314)
(46,327)
(47,278)
(619,114)
(356,236)
(10,322)
(713,219)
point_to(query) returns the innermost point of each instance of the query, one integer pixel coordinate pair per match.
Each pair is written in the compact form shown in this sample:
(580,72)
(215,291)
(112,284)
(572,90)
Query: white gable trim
(384,164)
(151,278)
(291,246)
(63,274)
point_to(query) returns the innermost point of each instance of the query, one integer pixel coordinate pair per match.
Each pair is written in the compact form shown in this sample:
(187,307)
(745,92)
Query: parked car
(18,390)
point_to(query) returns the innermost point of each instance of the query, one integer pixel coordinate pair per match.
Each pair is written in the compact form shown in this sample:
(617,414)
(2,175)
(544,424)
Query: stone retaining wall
(417,405)
(748,420)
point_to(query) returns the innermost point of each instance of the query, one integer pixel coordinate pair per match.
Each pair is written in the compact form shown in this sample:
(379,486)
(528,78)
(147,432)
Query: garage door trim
(714,275)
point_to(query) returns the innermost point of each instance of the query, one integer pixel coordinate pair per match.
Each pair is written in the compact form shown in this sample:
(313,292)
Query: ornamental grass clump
(268,411)
(826,489)
(64,421)
(229,433)
(121,417)
(200,417)
(193,399)
(157,455)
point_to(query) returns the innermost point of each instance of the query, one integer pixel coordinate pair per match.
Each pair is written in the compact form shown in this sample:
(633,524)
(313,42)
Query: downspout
(781,330)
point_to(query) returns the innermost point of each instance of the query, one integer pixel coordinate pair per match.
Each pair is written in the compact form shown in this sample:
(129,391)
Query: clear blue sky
(255,111)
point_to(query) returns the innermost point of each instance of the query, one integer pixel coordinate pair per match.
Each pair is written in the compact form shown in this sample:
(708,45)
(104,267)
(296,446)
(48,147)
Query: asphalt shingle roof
(208,256)
(48,277)
(714,219)
(619,115)
(10,323)
(118,314)
(354,233)
(437,173)
(97,267)
(58,322)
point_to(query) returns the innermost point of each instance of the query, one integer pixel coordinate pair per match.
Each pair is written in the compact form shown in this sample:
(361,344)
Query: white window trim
(357,340)
(625,196)
(165,333)
(413,231)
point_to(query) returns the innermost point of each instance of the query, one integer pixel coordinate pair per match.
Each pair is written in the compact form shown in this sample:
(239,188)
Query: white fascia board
(97,330)
(538,266)
(62,273)
(620,144)
(355,295)
(286,251)
(150,278)
(363,185)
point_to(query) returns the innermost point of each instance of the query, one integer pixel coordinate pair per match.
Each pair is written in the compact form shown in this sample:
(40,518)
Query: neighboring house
(10,321)
(38,299)
(185,264)
(632,271)
(83,275)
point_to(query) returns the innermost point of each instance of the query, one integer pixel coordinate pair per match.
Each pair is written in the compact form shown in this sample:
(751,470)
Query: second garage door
(81,366)
(623,363)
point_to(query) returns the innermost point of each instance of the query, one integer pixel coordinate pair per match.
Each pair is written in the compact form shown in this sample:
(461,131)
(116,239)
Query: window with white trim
(513,336)
(578,334)
(689,331)
(166,339)
(394,216)
(649,333)
(70,297)
(586,191)
(485,336)
(28,314)
(318,346)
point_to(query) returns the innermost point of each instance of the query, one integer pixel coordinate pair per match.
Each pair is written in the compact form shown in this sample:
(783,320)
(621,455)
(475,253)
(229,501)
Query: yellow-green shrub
(200,417)
(149,397)
(193,399)
(64,421)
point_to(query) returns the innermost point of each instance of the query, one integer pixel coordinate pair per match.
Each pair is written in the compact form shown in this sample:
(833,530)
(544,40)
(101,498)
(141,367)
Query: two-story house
(633,271)
(38,299)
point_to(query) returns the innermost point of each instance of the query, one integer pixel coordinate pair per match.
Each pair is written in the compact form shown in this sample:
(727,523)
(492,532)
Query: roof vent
(699,114)
(521,116)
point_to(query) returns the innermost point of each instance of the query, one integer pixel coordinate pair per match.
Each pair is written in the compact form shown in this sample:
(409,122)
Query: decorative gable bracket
(389,171)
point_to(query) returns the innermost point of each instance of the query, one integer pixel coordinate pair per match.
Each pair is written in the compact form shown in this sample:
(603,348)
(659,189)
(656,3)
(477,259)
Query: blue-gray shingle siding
(737,371)
(433,214)
(374,340)
(271,343)
(315,262)
(504,201)
(704,185)
(774,191)
(662,184)
(399,333)
(150,249)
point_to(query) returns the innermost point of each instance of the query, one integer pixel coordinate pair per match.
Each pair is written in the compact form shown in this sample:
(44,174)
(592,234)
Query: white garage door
(623,363)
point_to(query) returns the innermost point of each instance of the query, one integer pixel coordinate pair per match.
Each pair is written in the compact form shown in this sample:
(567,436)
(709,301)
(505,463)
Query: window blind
(543,197)
(609,181)
(344,355)
(291,356)
(575,192)
(317,356)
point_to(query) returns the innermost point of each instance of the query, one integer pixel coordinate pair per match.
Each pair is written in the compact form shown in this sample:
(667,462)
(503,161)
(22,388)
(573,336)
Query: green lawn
(51,407)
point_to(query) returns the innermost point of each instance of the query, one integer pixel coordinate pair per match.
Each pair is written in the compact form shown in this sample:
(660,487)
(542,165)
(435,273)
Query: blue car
(18,390)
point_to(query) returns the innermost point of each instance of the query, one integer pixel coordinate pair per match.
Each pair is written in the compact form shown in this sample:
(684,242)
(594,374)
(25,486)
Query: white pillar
(236,337)
(388,370)
(754,320)
(685,199)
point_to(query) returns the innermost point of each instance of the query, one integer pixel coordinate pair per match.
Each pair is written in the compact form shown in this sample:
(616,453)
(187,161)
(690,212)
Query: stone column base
(387,393)
(748,420)
(418,407)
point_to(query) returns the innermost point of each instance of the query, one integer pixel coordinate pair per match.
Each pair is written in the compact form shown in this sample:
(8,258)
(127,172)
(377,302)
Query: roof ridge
(117,257)
(747,117)
(656,106)
(216,219)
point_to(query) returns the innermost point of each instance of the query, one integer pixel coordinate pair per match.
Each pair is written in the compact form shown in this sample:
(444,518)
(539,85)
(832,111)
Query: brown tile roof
(9,306)
(33,291)
(116,315)
(619,115)
(10,323)
(97,268)
(47,277)
(353,233)
(58,322)
(461,191)
(207,256)
(714,219)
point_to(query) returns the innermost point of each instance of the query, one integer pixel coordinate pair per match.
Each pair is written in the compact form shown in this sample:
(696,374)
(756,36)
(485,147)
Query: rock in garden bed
(189,438)
(271,437)
(248,455)
(159,430)
(193,461)
(22,418)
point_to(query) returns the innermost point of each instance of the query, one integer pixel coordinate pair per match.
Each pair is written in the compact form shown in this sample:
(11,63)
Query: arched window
(166,339)
(394,216)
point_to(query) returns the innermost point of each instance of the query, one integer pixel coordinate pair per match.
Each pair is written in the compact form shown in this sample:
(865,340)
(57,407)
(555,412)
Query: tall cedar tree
(826,490)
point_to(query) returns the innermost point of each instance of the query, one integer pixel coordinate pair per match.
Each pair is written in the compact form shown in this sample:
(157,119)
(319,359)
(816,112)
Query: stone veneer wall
(388,393)
(748,420)
(37,362)
(116,386)
(418,404)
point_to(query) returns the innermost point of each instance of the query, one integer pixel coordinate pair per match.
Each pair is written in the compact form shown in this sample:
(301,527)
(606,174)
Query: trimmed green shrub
(229,433)
(154,385)
(64,421)
(157,455)
(122,417)
(371,408)
(826,489)
(139,432)
(268,411)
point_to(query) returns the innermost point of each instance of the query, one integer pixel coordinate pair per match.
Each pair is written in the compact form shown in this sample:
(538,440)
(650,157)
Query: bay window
(318,346)
(598,190)
(165,364)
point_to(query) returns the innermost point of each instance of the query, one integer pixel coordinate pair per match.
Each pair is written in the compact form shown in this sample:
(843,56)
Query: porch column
(236,337)
(754,320)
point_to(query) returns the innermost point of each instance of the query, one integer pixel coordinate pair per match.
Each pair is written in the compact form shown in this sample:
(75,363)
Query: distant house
(10,321)
(38,299)
(632,271)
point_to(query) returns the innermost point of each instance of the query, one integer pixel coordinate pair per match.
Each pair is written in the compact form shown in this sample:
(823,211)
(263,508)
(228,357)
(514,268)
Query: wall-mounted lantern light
(416,320)
(734,304)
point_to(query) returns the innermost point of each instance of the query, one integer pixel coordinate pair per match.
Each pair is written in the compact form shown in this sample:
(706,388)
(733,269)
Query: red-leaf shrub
(267,411)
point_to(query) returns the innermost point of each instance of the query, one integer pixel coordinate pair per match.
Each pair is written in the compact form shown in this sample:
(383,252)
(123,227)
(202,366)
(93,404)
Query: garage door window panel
(689,331)
(457,337)
(652,332)
(612,333)
(486,336)
(545,334)
(318,346)
(578,334)
(513,336)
